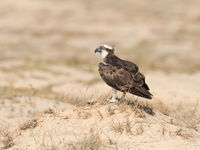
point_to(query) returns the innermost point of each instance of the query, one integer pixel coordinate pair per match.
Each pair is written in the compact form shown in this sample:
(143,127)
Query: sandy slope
(99,124)
(64,129)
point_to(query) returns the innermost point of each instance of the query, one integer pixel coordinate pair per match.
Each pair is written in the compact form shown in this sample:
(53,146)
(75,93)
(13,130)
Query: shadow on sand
(141,106)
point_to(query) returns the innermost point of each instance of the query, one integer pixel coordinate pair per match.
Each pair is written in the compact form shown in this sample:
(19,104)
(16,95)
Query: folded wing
(124,77)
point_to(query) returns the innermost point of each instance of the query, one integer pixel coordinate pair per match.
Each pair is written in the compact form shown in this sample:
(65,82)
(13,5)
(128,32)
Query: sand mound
(55,114)
(101,125)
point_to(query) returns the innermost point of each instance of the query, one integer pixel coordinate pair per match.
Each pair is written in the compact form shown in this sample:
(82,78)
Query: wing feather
(114,77)
(119,63)
(122,80)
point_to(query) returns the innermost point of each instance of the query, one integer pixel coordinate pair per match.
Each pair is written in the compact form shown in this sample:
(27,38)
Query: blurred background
(155,34)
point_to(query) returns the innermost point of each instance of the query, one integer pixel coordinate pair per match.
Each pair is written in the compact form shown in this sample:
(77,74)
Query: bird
(121,75)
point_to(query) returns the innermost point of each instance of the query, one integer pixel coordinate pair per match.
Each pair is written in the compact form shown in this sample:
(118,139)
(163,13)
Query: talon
(113,100)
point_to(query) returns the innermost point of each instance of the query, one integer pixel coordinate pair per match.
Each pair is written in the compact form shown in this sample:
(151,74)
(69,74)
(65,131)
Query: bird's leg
(113,99)
(123,97)
(136,100)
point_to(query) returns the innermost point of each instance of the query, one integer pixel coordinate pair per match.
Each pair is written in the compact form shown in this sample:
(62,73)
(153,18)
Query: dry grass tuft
(111,111)
(31,124)
(123,108)
(139,109)
(100,114)
(117,127)
(84,115)
(163,131)
(161,107)
(139,130)
(120,127)
(194,125)
(48,111)
(6,139)
(139,113)
(183,134)
(92,141)
(128,126)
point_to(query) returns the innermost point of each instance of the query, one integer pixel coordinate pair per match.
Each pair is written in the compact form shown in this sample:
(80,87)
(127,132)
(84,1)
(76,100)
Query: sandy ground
(38,121)
(51,96)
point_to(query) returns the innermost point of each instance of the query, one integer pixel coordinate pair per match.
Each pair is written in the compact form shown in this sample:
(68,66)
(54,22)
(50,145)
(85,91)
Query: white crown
(107,46)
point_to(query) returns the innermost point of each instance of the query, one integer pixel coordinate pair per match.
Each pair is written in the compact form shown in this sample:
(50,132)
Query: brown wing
(140,79)
(114,77)
(129,67)
(119,63)
(123,80)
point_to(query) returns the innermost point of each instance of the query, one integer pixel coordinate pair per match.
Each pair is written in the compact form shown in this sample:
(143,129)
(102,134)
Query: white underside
(104,53)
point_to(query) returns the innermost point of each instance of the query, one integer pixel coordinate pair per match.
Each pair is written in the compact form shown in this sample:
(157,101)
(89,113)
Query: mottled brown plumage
(123,75)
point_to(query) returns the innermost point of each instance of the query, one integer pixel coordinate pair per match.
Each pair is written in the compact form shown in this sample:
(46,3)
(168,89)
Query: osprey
(121,75)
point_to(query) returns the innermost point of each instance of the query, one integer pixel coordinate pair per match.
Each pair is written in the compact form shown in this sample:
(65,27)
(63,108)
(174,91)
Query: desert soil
(65,109)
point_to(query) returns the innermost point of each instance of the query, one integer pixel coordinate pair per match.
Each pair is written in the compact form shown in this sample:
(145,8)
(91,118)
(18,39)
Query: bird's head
(105,50)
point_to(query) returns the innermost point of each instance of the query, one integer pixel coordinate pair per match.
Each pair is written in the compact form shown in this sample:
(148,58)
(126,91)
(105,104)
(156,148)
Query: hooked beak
(98,50)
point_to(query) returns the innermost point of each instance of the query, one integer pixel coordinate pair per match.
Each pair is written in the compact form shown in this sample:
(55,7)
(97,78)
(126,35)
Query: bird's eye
(102,48)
